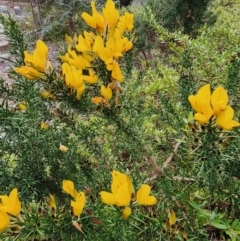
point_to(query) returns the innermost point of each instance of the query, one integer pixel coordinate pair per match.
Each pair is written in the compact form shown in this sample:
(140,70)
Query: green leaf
(218,225)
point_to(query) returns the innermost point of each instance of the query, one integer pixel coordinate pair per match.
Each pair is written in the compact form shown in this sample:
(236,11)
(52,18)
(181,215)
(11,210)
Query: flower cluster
(36,64)
(92,57)
(123,193)
(106,45)
(209,105)
(10,205)
(79,197)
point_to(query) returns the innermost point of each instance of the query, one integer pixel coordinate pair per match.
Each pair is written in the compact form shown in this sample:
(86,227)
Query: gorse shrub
(186,16)
(93,148)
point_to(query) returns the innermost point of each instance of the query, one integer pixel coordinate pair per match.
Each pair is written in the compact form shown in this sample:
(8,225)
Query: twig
(187,179)
(168,161)
(176,178)
(159,171)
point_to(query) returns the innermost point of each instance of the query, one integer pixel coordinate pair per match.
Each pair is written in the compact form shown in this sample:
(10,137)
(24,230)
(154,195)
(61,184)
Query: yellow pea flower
(77,61)
(38,59)
(201,103)
(83,45)
(78,204)
(22,106)
(80,91)
(126,212)
(121,188)
(28,72)
(4,220)
(92,78)
(172,219)
(108,198)
(110,53)
(106,92)
(73,78)
(98,100)
(119,179)
(98,45)
(52,202)
(122,191)
(143,196)
(219,100)
(96,20)
(126,22)
(119,196)
(89,37)
(126,45)
(47,95)
(116,72)
(11,203)
(110,14)
(44,125)
(225,119)
(68,187)
(107,95)
(68,39)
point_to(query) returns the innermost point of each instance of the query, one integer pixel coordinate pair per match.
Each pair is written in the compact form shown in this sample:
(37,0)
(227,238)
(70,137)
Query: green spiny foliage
(186,15)
(15,38)
(151,135)
(68,19)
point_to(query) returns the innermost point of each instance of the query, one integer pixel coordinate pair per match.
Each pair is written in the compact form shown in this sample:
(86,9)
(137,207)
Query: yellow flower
(106,92)
(38,59)
(110,14)
(225,121)
(122,190)
(126,212)
(22,106)
(119,196)
(126,22)
(98,100)
(28,72)
(52,202)
(63,148)
(126,44)
(74,78)
(92,78)
(77,61)
(107,95)
(98,45)
(83,45)
(172,219)
(47,95)
(116,72)
(143,196)
(68,187)
(201,103)
(35,63)
(11,203)
(219,100)
(120,179)
(96,20)
(44,125)
(4,220)
(78,204)
(122,193)
(89,37)
(68,39)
